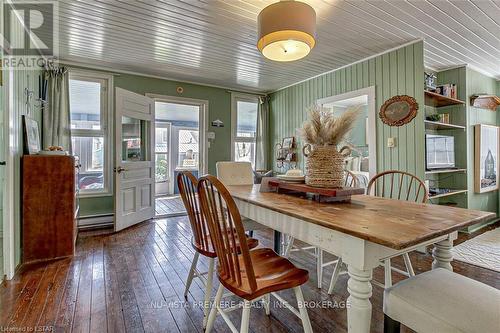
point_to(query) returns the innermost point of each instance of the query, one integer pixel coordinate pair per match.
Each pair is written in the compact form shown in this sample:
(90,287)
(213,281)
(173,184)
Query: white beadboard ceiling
(213,42)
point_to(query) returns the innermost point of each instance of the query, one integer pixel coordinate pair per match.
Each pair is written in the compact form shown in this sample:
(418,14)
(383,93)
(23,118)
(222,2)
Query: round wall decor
(398,110)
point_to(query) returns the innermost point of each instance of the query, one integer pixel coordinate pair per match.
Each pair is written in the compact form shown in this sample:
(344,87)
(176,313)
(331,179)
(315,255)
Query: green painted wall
(14,93)
(396,73)
(479,83)
(2,169)
(219,108)
(498,123)
(21,79)
(357,136)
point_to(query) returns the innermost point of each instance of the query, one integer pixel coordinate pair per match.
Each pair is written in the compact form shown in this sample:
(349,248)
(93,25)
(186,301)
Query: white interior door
(134,159)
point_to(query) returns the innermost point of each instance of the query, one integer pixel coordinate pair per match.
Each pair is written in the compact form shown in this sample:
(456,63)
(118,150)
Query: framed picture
(486,152)
(288,143)
(31,135)
(398,110)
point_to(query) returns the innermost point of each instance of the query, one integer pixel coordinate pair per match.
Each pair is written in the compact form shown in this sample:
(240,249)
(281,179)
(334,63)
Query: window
(244,127)
(89,105)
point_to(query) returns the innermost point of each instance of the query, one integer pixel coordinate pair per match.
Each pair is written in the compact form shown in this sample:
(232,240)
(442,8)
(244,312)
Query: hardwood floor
(133,281)
(169,206)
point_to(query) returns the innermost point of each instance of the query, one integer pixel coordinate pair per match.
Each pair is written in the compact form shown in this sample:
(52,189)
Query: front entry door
(134,159)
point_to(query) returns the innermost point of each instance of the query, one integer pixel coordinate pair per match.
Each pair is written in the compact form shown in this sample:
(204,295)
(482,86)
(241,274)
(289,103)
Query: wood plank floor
(169,206)
(133,281)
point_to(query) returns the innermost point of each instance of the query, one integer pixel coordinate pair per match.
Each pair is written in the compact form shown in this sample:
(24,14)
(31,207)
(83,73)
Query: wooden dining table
(362,232)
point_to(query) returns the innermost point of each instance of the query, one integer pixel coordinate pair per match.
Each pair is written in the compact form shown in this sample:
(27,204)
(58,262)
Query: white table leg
(359,311)
(442,254)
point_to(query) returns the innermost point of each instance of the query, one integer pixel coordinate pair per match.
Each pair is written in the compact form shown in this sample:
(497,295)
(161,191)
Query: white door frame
(372,120)
(168,125)
(174,158)
(203,123)
(8,196)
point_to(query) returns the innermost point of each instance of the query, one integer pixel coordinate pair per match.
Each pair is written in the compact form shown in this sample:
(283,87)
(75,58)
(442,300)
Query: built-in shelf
(490,102)
(447,194)
(432,172)
(437,100)
(436,125)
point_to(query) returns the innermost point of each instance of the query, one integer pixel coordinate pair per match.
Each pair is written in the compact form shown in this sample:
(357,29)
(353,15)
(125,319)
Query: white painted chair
(288,243)
(442,301)
(397,185)
(238,173)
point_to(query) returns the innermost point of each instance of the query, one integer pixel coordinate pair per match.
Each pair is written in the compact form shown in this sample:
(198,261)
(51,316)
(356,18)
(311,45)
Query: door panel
(134,160)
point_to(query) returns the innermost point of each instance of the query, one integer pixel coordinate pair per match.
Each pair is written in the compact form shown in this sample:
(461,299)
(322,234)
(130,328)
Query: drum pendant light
(286,30)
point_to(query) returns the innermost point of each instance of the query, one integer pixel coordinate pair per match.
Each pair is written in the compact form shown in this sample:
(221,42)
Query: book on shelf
(448,90)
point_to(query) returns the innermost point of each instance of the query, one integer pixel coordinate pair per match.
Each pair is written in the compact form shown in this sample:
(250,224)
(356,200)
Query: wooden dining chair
(350,180)
(238,173)
(201,240)
(392,184)
(251,275)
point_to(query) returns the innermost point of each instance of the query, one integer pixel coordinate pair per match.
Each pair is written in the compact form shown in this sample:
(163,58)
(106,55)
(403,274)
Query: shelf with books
(437,100)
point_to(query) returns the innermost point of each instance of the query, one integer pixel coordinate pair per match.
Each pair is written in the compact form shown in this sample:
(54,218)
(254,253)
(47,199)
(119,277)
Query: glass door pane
(162,159)
(188,149)
(134,139)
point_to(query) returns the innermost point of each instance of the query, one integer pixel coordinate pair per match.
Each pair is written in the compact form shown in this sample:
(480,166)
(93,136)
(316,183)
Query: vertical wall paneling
(479,83)
(397,72)
(19,80)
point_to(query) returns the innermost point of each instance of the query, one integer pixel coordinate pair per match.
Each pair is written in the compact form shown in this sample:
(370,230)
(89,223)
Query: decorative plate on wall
(398,110)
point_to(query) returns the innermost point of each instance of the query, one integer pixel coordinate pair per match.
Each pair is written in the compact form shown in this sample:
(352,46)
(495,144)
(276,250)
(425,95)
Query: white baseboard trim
(96,221)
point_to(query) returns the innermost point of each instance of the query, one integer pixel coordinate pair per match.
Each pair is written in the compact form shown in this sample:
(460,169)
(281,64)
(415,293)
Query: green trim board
(397,72)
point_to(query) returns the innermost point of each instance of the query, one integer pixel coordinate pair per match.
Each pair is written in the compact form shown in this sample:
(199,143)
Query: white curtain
(262,139)
(56,114)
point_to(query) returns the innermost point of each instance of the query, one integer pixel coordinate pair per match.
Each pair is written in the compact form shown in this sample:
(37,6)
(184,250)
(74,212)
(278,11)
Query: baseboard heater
(96,221)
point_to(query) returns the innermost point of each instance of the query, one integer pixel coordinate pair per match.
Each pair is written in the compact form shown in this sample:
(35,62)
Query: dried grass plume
(322,128)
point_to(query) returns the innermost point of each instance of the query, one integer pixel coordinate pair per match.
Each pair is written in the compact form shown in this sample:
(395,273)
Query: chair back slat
(410,187)
(351,180)
(187,184)
(226,229)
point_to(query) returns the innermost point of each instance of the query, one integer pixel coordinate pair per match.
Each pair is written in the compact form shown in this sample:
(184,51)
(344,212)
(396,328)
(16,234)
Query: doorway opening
(362,138)
(180,137)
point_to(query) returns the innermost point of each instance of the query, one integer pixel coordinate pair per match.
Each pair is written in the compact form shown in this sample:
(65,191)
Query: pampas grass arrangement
(324,129)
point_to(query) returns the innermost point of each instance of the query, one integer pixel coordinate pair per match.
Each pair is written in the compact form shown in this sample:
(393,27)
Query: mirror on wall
(362,138)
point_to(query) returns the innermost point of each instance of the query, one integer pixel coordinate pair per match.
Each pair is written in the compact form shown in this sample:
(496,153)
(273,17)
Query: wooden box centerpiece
(320,194)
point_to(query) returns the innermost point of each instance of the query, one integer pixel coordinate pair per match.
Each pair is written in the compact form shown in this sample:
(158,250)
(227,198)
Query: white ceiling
(213,42)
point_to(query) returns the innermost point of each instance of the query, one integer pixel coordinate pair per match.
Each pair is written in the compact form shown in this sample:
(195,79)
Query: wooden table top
(392,223)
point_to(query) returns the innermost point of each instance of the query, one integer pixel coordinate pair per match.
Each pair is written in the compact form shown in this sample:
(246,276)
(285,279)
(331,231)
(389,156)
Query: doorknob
(120,169)
(3,163)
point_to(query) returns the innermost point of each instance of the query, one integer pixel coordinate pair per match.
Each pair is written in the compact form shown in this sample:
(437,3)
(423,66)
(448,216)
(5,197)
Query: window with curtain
(89,132)
(244,128)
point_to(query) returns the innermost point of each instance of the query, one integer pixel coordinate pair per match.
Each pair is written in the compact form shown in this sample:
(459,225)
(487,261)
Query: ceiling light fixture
(287,30)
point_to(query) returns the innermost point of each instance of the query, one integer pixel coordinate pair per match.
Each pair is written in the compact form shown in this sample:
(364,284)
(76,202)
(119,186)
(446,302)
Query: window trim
(235,98)
(106,130)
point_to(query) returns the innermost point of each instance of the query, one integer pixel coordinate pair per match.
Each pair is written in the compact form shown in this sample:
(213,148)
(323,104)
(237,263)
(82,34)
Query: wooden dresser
(49,207)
